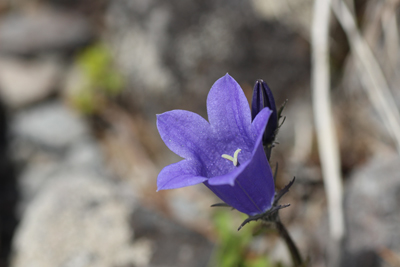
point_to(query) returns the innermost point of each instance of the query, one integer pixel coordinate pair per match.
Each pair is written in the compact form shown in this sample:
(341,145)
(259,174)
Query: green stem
(294,252)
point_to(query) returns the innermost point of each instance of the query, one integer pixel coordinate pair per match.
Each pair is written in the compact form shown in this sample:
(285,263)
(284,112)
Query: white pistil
(234,159)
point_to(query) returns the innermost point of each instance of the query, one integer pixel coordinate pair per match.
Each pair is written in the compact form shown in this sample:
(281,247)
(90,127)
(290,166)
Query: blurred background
(82,81)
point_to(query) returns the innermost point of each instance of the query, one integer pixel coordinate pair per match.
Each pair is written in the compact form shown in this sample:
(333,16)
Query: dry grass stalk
(327,139)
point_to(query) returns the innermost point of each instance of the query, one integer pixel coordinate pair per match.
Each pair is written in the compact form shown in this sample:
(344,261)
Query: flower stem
(294,252)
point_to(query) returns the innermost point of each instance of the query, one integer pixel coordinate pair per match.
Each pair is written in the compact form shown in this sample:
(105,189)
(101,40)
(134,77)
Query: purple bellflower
(262,97)
(225,153)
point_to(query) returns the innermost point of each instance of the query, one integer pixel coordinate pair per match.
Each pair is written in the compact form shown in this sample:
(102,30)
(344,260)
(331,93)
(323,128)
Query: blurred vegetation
(100,79)
(233,249)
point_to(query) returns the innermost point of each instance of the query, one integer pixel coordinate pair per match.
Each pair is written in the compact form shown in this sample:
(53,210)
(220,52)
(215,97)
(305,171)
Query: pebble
(23,82)
(52,125)
(372,201)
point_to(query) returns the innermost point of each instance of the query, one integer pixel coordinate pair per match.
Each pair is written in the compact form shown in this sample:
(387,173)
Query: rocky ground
(78,182)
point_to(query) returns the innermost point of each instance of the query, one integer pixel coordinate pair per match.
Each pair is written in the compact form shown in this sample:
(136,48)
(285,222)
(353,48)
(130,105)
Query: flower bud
(262,98)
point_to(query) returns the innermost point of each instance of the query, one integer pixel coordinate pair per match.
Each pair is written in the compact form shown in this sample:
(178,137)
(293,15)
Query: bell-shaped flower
(262,97)
(225,152)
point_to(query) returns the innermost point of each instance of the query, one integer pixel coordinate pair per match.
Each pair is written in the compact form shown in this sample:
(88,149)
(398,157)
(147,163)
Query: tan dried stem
(326,135)
(371,74)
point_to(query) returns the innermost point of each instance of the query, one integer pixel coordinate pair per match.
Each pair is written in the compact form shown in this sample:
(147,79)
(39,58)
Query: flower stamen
(234,159)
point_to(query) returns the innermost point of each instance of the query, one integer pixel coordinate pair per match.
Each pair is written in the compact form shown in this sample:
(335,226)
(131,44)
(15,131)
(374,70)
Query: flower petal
(184,132)
(254,189)
(259,123)
(229,178)
(180,174)
(257,129)
(228,110)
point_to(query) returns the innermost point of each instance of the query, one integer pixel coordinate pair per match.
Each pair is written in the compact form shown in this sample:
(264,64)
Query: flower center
(234,159)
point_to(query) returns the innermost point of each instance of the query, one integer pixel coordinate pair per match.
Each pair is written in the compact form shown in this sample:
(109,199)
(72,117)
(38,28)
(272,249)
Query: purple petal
(191,137)
(228,110)
(184,132)
(250,187)
(257,129)
(259,123)
(180,174)
(228,178)
(254,189)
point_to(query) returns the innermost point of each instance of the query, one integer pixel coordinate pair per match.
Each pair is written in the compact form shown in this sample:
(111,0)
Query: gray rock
(23,82)
(297,14)
(372,206)
(170,50)
(77,221)
(50,140)
(71,213)
(85,154)
(44,167)
(39,30)
(32,180)
(51,125)
(173,245)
